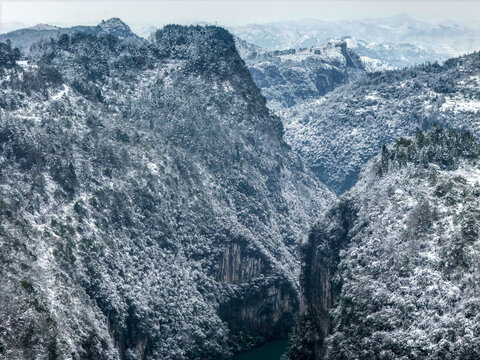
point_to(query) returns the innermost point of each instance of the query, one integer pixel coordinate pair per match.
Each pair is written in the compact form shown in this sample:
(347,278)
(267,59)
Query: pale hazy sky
(229,12)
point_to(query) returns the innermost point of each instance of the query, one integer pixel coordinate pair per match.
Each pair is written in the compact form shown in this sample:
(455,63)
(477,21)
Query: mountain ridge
(292,77)
(398,40)
(24,38)
(339,132)
(132,234)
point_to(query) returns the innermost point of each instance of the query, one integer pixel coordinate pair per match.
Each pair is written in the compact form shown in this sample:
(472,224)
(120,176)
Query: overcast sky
(229,12)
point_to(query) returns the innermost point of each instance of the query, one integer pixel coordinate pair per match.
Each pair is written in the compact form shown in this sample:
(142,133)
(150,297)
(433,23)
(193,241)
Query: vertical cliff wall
(390,271)
(320,257)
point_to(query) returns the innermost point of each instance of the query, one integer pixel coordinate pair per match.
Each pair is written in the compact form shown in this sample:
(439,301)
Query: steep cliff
(149,207)
(292,77)
(391,271)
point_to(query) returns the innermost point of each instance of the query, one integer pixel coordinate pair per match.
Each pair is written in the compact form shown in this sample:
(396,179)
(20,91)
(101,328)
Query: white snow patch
(354,131)
(352,43)
(153,168)
(372,96)
(373,65)
(62,92)
(469,173)
(26,65)
(227,86)
(461,104)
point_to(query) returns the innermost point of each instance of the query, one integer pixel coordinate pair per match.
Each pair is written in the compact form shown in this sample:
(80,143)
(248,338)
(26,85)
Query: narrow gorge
(296,189)
(390,271)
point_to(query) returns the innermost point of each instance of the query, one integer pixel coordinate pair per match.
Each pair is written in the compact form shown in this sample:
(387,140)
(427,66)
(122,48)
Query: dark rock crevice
(320,258)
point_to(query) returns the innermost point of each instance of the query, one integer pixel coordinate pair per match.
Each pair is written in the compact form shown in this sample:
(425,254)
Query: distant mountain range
(24,38)
(399,40)
(392,54)
(11,26)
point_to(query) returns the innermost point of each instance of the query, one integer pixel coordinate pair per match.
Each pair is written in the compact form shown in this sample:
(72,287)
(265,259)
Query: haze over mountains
(398,40)
(404,40)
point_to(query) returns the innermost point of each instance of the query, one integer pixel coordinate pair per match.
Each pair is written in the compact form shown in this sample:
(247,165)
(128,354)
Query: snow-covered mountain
(149,206)
(391,271)
(24,38)
(291,77)
(339,132)
(400,39)
(395,55)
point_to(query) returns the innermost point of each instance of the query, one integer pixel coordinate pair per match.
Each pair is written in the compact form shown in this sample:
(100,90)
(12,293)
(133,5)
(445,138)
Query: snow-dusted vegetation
(339,132)
(392,271)
(156,195)
(149,208)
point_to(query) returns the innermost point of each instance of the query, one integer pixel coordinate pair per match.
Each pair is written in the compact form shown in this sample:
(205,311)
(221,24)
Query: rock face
(237,265)
(291,77)
(337,134)
(149,207)
(390,271)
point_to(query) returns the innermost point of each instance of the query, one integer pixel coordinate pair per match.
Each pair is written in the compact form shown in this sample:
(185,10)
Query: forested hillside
(149,207)
(336,134)
(391,271)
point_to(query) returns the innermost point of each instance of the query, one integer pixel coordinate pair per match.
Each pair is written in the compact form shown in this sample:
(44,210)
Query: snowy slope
(397,55)
(291,77)
(149,207)
(339,132)
(391,272)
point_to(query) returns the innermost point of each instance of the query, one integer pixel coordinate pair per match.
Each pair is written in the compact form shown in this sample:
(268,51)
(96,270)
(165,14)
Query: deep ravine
(391,271)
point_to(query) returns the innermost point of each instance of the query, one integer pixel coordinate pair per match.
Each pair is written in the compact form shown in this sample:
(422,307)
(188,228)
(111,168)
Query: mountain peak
(205,46)
(115,26)
(185,35)
(331,43)
(44,27)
